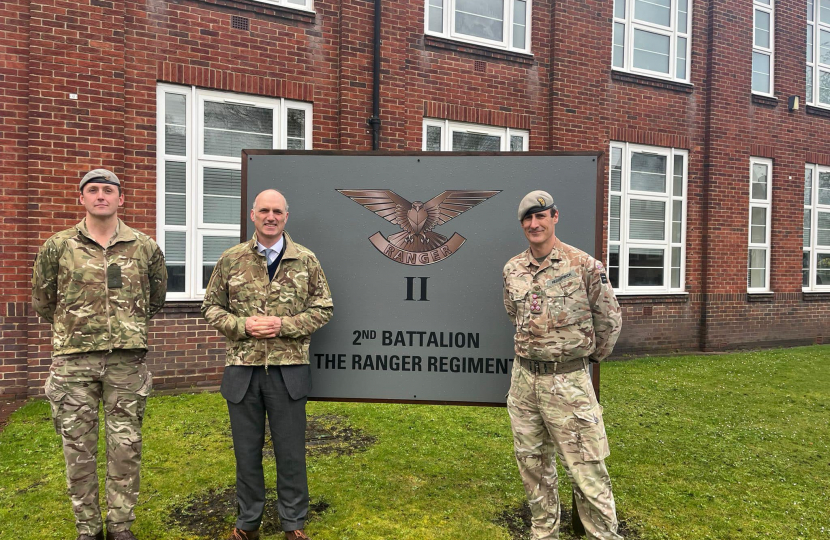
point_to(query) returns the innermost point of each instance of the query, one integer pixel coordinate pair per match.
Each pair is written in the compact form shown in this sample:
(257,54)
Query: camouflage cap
(535,201)
(99,176)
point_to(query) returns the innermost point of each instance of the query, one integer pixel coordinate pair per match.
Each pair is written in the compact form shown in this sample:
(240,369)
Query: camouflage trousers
(560,413)
(76,385)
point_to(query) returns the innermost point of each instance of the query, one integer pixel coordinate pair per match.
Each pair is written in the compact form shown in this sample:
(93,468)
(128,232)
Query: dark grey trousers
(267,395)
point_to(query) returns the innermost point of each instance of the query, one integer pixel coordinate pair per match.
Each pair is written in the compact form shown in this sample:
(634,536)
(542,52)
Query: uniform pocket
(569,303)
(56,395)
(142,394)
(593,444)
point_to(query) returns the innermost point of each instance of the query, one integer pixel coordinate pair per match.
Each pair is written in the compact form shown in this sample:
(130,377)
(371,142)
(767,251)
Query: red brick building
(717,192)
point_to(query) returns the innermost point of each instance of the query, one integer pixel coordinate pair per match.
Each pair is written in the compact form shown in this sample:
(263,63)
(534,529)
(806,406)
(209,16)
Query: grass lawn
(733,446)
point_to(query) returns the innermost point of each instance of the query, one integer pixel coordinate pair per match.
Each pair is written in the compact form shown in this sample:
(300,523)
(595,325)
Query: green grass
(730,446)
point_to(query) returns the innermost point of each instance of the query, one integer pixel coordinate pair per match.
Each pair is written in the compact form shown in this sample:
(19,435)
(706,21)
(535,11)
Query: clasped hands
(263,327)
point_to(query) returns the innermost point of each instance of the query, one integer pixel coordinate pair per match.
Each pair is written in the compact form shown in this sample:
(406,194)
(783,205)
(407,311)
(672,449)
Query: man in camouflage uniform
(99,283)
(566,316)
(267,296)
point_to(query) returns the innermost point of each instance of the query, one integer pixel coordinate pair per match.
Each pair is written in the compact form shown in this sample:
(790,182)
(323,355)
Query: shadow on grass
(328,434)
(212,515)
(516,519)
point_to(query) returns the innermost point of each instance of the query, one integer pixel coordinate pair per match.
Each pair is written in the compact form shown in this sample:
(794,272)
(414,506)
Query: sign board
(413,247)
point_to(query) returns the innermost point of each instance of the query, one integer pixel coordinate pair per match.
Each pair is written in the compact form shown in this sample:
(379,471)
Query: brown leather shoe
(121,535)
(239,534)
(299,534)
(99,536)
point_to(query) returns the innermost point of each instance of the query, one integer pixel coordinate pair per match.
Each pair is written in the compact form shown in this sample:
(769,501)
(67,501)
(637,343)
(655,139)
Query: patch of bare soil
(213,514)
(328,434)
(516,520)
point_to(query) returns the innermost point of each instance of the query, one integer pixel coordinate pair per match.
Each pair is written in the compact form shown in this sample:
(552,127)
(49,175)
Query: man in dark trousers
(267,296)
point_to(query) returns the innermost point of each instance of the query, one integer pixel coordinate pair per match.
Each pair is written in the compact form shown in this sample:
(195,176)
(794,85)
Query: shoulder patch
(599,266)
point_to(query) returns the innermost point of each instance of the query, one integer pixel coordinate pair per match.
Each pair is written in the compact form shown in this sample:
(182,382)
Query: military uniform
(565,315)
(99,300)
(299,295)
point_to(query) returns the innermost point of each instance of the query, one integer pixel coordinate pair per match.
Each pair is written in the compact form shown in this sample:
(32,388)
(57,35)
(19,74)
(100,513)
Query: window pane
(433,138)
(823,229)
(675,267)
(619,45)
(619,9)
(517,143)
(762,29)
(809,95)
(759,181)
(808,217)
(175,120)
(212,249)
(616,169)
(295,119)
(475,142)
(519,23)
(678,176)
(648,172)
(824,188)
(230,128)
(810,10)
(614,265)
(808,186)
(614,221)
(653,11)
(221,196)
(824,11)
(681,58)
(759,226)
(175,186)
(436,15)
(809,43)
(676,221)
(645,267)
(682,16)
(651,51)
(823,269)
(647,220)
(480,18)
(824,47)
(174,258)
(805,269)
(760,72)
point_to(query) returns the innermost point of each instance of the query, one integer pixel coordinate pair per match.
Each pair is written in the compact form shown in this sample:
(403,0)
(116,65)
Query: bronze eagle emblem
(417,219)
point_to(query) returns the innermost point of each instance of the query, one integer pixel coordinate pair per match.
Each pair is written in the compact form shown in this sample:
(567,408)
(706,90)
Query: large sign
(413,246)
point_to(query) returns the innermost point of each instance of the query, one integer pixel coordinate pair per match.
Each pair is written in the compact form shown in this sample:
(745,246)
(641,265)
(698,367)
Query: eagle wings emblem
(417,219)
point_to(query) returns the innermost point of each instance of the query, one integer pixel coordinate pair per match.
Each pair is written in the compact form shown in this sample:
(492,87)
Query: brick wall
(113,55)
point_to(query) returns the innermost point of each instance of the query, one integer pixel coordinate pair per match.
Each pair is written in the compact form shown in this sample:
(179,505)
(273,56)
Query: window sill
(434,42)
(182,306)
(818,111)
(297,14)
(625,76)
(768,101)
(815,296)
(657,298)
(760,297)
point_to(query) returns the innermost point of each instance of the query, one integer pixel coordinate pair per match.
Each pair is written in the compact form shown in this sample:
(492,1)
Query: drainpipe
(374,120)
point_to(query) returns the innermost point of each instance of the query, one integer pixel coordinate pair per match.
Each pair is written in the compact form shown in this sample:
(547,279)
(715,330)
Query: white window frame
(626,194)
(630,24)
(302,5)
(196,161)
(766,204)
(813,249)
(448,128)
(815,68)
(448,24)
(760,6)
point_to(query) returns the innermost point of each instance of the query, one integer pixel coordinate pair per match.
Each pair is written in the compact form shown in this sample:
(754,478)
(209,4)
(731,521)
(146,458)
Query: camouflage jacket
(239,288)
(576,313)
(98,298)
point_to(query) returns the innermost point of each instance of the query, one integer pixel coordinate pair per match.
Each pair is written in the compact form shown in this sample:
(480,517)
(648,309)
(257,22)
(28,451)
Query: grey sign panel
(418,309)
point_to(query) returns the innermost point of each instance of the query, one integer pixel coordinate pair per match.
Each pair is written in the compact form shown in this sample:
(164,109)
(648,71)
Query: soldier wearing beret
(267,296)
(98,284)
(566,317)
